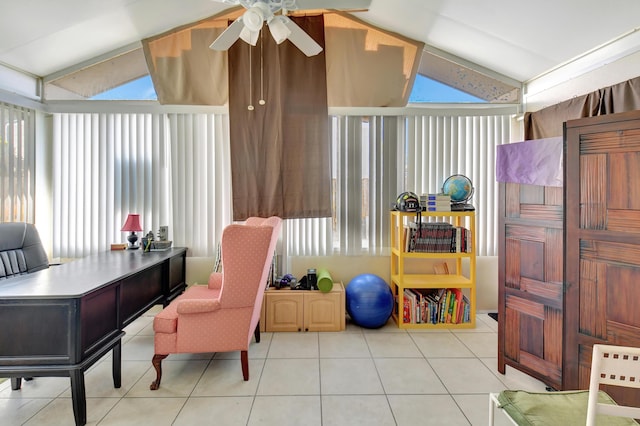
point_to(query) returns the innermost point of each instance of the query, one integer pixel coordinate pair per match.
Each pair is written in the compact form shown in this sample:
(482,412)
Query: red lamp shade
(132,223)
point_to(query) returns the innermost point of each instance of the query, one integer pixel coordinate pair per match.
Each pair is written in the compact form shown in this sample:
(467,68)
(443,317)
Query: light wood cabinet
(303,310)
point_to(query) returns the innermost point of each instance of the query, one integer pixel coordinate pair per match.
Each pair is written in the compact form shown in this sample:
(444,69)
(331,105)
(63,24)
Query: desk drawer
(139,292)
(37,332)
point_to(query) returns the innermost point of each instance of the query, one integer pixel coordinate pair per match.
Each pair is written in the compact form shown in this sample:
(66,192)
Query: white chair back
(617,366)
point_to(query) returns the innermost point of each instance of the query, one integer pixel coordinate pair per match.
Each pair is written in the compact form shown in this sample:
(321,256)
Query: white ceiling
(517,39)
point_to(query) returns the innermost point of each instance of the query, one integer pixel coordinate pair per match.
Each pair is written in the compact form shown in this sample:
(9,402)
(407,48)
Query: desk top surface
(81,276)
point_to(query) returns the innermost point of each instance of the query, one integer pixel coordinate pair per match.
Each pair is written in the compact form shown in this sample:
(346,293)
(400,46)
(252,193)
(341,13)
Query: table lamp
(132,224)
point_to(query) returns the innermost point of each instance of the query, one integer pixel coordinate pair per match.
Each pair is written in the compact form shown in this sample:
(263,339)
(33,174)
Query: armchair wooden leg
(157,364)
(244,359)
(256,333)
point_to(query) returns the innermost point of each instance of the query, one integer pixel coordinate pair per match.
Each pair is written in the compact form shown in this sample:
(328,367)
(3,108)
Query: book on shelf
(435,306)
(406,311)
(437,203)
(467,310)
(441,268)
(435,197)
(437,208)
(456,305)
(435,237)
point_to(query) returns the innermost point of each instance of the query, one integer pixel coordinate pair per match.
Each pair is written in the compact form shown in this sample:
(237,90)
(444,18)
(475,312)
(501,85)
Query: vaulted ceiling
(515,39)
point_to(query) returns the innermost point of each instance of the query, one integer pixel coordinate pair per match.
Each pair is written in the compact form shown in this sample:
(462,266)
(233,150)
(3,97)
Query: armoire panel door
(602,240)
(530,281)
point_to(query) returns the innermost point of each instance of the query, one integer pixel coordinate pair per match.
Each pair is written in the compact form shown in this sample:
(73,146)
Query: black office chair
(21,252)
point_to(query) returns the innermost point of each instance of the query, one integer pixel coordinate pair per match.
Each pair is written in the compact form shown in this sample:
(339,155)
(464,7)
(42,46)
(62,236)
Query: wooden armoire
(559,296)
(530,296)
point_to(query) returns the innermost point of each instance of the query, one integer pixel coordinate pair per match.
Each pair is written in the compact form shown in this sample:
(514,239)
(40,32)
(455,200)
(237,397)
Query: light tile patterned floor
(367,377)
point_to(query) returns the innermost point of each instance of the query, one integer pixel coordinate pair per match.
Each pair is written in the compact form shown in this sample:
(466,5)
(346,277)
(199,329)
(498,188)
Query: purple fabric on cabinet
(534,162)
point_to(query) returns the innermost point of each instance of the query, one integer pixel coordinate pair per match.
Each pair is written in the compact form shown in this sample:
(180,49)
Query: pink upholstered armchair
(224,315)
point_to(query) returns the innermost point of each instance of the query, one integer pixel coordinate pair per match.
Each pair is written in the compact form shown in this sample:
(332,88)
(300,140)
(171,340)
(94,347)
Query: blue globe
(458,187)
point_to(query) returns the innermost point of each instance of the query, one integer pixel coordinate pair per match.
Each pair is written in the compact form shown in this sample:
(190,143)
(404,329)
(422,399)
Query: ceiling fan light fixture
(256,15)
(253,19)
(278,29)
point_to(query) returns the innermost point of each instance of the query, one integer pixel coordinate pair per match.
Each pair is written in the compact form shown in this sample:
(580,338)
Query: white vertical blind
(440,146)
(17,164)
(365,175)
(375,158)
(172,169)
(103,169)
(201,179)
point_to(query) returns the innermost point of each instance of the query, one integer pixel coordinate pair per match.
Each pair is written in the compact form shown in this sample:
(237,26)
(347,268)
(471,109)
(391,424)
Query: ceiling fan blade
(228,36)
(300,39)
(333,4)
(249,36)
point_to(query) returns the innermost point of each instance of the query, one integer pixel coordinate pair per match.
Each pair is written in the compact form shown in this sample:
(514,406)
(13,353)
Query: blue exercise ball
(369,301)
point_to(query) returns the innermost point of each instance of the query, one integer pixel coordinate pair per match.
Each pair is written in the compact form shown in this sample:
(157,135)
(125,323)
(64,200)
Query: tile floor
(367,377)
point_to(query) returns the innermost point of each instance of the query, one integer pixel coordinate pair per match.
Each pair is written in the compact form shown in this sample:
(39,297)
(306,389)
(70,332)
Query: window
(17,159)
(121,77)
(375,158)
(426,89)
(140,89)
(468,78)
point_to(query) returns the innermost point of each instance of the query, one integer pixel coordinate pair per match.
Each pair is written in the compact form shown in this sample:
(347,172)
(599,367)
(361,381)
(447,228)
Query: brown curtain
(183,69)
(280,151)
(548,122)
(621,97)
(367,66)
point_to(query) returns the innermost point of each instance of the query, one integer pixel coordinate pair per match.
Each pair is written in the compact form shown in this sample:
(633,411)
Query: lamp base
(132,238)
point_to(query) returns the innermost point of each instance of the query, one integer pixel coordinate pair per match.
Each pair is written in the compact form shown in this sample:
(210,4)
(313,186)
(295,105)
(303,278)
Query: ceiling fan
(247,27)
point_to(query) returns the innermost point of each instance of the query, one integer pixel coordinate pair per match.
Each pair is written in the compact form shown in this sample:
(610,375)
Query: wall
(344,268)
(564,84)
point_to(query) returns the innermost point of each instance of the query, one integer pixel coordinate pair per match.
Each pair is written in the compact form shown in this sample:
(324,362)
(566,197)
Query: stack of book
(436,237)
(435,306)
(435,202)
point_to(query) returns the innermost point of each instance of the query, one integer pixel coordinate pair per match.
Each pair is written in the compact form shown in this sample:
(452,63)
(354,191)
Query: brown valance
(621,97)
(365,66)
(183,69)
(548,122)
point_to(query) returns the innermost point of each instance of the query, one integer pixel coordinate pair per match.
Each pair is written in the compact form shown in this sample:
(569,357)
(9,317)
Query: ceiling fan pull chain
(250,106)
(262,101)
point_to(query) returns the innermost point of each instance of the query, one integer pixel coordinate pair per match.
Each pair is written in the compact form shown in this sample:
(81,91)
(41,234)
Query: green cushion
(555,408)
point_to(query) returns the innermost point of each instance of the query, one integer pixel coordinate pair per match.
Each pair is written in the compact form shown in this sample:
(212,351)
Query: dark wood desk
(60,321)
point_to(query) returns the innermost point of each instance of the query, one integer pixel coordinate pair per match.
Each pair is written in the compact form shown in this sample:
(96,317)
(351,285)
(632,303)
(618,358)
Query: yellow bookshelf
(416,270)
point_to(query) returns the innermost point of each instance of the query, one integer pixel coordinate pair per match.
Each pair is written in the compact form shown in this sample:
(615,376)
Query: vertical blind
(174,170)
(377,157)
(440,146)
(17,164)
(201,180)
(364,181)
(169,168)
